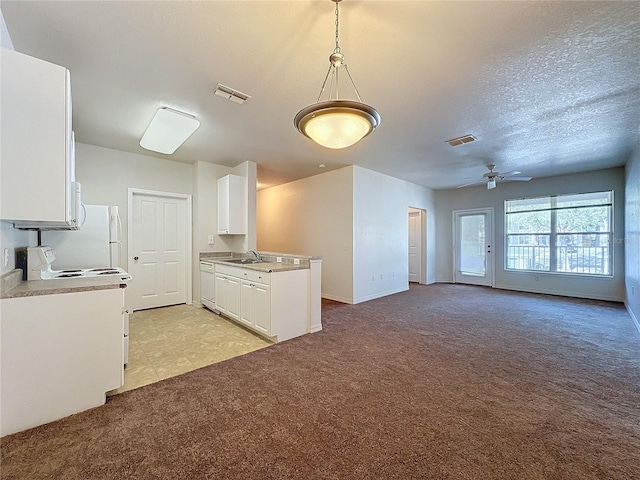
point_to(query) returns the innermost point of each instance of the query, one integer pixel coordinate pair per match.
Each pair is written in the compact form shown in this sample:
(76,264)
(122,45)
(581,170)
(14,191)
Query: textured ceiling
(547,88)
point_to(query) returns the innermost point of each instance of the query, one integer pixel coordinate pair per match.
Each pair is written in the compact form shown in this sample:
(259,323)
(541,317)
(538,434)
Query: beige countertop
(268,263)
(268,267)
(55,286)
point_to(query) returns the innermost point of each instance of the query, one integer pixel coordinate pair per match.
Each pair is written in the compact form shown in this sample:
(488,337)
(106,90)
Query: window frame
(553,233)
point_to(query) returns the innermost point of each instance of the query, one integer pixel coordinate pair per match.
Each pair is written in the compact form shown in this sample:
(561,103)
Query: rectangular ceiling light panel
(168,130)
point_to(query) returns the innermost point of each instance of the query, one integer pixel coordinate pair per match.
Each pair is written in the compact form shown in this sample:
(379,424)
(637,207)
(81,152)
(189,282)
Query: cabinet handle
(135,259)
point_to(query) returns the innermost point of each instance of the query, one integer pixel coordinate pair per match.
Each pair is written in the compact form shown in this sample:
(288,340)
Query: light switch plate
(211,240)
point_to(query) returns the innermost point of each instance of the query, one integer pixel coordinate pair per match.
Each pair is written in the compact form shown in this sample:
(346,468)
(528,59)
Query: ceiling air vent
(231,94)
(454,142)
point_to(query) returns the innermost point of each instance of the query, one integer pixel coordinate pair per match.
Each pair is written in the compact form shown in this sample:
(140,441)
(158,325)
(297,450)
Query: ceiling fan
(491,177)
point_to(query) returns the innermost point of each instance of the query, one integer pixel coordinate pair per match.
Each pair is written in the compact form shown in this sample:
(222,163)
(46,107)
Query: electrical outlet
(211,240)
(5,257)
(296,261)
(279,259)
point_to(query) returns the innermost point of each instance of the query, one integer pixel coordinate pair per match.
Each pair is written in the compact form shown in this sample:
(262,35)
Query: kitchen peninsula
(61,347)
(276,295)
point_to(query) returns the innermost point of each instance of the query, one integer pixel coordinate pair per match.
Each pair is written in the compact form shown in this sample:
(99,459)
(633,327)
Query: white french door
(473,246)
(159,248)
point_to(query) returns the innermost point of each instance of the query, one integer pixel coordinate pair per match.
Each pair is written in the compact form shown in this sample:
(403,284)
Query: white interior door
(473,242)
(159,235)
(415,246)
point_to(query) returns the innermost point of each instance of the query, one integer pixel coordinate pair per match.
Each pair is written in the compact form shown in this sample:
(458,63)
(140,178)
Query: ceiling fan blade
(508,174)
(469,184)
(518,179)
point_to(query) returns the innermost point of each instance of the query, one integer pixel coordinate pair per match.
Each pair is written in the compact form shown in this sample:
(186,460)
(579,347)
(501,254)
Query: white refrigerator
(97,243)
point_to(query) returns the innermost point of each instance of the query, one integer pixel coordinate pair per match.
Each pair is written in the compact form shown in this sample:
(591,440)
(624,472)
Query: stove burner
(67,275)
(101,269)
(70,271)
(109,272)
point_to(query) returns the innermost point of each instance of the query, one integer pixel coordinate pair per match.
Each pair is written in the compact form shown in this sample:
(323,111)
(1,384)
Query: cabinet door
(221,293)
(36,139)
(262,308)
(232,291)
(223,205)
(232,205)
(246,303)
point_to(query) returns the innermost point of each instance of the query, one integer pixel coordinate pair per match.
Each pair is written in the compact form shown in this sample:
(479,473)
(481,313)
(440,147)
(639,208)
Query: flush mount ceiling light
(168,130)
(336,123)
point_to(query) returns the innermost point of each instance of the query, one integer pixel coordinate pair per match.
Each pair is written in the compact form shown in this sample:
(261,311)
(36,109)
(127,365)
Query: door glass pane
(472,245)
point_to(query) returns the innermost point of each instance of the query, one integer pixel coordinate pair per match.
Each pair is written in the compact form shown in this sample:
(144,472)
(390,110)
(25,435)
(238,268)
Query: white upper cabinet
(232,205)
(37,167)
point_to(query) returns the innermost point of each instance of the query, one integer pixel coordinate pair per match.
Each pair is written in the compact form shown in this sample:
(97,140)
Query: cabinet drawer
(258,277)
(206,267)
(229,270)
(244,274)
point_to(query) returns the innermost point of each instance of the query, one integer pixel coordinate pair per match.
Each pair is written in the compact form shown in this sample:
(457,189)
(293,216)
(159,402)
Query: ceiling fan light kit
(336,123)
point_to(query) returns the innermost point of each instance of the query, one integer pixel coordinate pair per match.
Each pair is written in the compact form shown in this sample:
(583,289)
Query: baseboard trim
(315,328)
(381,294)
(606,298)
(337,299)
(633,317)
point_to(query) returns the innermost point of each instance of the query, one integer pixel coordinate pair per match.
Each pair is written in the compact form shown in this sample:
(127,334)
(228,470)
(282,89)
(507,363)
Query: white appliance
(39,261)
(96,244)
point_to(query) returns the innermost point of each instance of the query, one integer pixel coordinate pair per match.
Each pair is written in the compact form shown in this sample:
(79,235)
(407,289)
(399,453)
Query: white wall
(106,175)
(357,220)
(313,216)
(381,233)
(578,286)
(632,235)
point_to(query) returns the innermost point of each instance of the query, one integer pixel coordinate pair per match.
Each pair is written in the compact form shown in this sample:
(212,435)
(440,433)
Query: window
(561,234)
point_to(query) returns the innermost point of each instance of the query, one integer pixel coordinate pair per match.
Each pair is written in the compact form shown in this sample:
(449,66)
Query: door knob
(135,258)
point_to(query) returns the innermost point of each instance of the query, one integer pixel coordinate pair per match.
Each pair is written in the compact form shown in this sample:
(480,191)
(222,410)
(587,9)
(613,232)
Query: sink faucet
(255,252)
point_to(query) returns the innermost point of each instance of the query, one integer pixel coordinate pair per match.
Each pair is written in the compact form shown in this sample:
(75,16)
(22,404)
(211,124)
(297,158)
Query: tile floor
(165,342)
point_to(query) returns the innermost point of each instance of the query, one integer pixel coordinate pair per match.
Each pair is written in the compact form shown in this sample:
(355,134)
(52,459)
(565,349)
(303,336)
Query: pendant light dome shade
(337,123)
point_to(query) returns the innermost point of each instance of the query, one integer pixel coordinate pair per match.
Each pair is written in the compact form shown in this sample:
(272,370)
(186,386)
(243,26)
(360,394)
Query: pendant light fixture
(336,123)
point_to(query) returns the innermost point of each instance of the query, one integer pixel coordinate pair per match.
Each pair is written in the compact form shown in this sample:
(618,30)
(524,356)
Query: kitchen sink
(243,261)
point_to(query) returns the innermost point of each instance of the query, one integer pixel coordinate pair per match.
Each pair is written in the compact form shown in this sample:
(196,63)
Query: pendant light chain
(337,49)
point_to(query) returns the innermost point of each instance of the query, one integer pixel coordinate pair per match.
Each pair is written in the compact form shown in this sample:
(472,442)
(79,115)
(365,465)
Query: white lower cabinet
(276,305)
(255,306)
(228,295)
(59,355)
